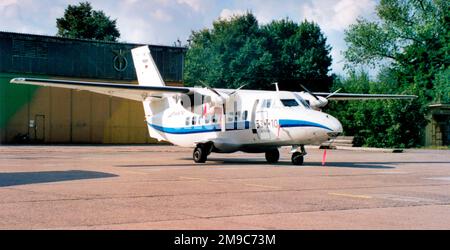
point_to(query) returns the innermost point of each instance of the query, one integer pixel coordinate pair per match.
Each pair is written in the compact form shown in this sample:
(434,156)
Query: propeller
(321,101)
(223,99)
(309,92)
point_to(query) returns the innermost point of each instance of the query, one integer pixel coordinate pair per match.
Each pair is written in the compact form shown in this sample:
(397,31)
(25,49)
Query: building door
(39,128)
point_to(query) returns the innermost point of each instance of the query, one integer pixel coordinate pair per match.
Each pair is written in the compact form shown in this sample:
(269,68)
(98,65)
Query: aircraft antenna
(276,86)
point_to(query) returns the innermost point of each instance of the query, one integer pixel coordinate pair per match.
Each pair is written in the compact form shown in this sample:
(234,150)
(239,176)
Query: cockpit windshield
(302,101)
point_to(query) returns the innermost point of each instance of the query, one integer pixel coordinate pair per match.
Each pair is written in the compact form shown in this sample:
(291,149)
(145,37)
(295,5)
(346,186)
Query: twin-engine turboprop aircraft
(223,120)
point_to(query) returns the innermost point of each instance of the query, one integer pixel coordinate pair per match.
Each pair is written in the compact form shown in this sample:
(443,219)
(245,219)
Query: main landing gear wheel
(200,154)
(297,158)
(273,156)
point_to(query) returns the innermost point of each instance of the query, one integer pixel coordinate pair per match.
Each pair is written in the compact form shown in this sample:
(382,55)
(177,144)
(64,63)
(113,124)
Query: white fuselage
(253,122)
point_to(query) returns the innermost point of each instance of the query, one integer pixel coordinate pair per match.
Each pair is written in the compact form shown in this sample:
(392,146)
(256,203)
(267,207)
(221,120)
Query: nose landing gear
(298,153)
(297,158)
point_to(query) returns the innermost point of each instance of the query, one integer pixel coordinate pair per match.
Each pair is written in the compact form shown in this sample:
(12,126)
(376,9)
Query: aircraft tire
(297,158)
(273,156)
(200,154)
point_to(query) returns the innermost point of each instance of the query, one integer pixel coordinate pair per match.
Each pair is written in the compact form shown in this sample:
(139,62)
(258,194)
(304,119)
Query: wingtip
(17,80)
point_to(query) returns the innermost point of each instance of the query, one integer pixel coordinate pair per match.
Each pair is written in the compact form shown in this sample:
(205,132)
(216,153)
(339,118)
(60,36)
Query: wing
(127,91)
(351,96)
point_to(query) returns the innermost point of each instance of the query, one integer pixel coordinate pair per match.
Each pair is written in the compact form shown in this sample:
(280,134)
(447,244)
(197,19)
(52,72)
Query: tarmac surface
(159,187)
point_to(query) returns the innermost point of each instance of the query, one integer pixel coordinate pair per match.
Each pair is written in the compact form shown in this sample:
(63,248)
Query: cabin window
(267,103)
(188,121)
(289,102)
(207,118)
(214,119)
(237,115)
(245,115)
(194,120)
(230,116)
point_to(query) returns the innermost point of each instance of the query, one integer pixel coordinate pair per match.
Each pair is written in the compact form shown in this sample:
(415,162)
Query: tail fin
(146,70)
(148,75)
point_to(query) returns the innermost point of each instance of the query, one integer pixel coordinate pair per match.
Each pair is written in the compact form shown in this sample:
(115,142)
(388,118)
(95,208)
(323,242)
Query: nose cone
(335,125)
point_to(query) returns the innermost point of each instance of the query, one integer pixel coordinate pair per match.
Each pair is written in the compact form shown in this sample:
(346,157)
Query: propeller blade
(309,92)
(215,91)
(210,88)
(232,93)
(332,94)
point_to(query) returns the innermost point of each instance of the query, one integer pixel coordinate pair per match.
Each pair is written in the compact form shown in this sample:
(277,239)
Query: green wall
(13,98)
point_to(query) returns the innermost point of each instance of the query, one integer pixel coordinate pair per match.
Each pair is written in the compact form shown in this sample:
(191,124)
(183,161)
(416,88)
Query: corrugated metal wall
(54,115)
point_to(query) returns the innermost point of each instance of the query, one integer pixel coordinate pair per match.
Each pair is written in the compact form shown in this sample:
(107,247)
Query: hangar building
(437,132)
(53,115)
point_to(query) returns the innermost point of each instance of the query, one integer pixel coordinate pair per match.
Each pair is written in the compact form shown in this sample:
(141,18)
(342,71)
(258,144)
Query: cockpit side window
(302,101)
(289,102)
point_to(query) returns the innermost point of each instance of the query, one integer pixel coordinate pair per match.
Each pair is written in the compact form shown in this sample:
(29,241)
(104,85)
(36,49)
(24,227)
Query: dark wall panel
(23,53)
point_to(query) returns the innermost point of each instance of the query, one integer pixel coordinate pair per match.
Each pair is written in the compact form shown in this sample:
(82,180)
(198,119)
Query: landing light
(333,134)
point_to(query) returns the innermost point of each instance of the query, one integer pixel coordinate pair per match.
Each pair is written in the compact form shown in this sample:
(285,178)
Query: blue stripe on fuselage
(216,127)
(300,123)
(200,128)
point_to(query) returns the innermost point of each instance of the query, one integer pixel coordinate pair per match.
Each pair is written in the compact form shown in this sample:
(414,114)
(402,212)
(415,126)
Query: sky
(163,22)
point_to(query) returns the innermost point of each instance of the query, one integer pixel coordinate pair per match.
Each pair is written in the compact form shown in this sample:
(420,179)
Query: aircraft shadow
(262,162)
(24,178)
(370,165)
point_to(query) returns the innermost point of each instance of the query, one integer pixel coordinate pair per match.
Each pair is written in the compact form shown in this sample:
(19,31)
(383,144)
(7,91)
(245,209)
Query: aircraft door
(261,121)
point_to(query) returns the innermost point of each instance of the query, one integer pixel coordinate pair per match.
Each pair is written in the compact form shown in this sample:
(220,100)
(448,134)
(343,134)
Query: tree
(300,54)
(376,123)
(81,21)
(411,40)
(238,51)
(413,35)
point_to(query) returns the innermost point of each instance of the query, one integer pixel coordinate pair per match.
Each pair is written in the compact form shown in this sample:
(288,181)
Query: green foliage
(239,51)
(412,37)
(377,123)
(442,86)
(80,21)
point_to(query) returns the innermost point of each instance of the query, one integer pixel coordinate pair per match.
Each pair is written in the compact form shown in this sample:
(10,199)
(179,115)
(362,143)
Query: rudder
(146,70)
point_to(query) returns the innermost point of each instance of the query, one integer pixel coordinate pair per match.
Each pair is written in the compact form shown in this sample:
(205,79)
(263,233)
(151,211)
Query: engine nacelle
(318,104)
(315,103)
